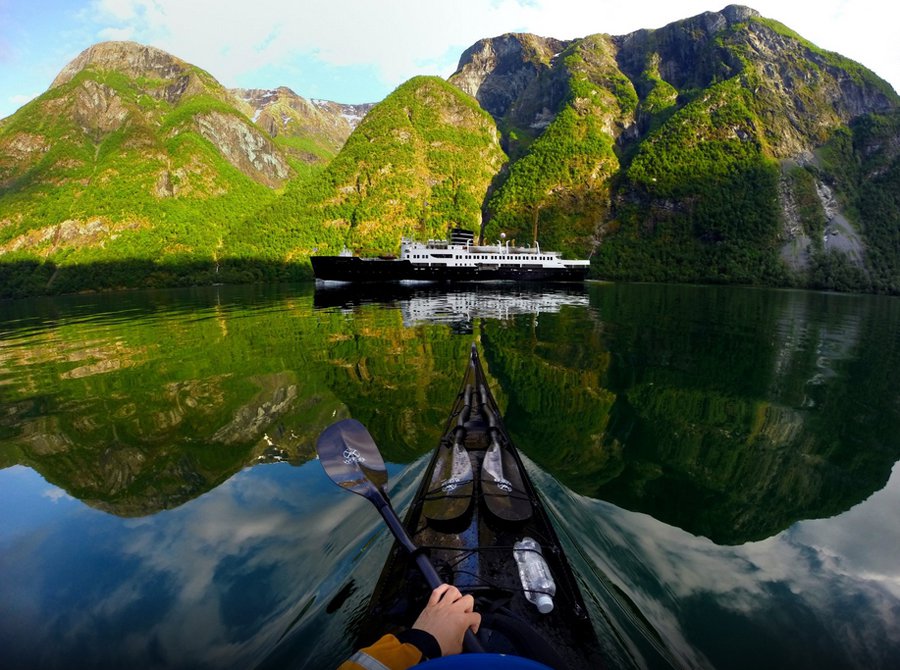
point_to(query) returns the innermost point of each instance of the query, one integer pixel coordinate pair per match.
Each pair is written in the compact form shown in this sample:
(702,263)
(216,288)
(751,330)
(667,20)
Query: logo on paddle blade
(451,484)
(352,457)
(503,484)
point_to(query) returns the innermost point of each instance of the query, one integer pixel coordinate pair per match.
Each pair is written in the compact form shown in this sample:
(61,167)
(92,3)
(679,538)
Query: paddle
(352,460)
(501,480)
(449,495)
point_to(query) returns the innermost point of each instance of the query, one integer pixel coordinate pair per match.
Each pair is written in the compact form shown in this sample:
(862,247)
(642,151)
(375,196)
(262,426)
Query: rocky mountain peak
(716,21)
(496,71)
(130,58)
(687,54)
(739,13)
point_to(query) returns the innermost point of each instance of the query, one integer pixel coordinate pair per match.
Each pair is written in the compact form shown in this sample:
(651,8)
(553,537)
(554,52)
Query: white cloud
(825,564)
(116,34)
(56,494)
(121,10)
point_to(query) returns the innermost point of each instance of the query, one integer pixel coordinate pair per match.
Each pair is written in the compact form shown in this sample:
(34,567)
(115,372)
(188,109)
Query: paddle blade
(351,458)
(501,484)
(450,493)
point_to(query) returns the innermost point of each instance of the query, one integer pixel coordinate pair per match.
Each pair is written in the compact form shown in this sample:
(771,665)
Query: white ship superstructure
(460,252)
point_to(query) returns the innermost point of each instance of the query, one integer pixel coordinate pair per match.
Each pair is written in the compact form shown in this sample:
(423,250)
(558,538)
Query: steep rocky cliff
(501,72)
(716,127)
(766,103)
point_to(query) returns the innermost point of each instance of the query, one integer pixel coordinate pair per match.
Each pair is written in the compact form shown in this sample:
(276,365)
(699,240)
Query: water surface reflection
(719,461)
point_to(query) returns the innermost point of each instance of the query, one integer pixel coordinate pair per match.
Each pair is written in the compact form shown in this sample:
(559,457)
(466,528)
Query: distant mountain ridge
(325,125)
(720,148)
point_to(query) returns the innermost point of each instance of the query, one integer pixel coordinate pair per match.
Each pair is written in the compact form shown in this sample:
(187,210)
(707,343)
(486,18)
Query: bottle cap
(544,603)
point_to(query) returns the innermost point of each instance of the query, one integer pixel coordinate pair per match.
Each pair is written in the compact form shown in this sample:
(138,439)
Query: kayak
(473,510)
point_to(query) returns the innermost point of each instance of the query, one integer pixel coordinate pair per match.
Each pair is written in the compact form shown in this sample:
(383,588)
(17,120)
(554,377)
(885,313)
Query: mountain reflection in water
(718,461)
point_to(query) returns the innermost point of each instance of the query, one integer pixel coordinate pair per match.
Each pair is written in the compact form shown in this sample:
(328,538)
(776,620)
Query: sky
(356,51)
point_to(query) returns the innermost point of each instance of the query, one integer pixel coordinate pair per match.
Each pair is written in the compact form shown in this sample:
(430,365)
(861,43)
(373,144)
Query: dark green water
(720,462)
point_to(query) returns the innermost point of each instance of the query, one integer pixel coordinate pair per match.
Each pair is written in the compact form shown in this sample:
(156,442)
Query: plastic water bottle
(535,574)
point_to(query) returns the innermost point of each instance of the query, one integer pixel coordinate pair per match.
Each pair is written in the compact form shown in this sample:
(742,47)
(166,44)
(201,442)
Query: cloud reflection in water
(834,584)
(214,583)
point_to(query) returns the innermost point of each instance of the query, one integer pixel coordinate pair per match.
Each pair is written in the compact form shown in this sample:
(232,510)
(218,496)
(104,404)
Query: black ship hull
(355,269)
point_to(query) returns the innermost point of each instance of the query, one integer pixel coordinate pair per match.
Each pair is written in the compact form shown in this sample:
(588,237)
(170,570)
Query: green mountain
(418,163)
(560,130)
(134,166)
(720,148)
(115,161)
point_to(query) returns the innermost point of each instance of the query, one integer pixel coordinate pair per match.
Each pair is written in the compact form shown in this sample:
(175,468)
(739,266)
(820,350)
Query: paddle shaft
(470,642)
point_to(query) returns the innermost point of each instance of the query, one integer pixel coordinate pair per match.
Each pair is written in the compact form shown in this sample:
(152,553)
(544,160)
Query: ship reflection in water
(422,304)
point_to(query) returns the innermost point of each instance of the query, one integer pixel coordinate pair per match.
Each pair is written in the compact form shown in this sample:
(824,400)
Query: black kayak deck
(474,503)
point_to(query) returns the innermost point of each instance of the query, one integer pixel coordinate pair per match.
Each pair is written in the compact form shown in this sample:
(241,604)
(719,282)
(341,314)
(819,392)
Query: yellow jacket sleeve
(389,653)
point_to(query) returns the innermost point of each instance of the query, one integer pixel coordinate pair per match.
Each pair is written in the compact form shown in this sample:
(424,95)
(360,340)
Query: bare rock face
(98,109)
(687,52)
(24,145)
(803,104)
(18,152)
(244,147)
(497,71)
(68,234)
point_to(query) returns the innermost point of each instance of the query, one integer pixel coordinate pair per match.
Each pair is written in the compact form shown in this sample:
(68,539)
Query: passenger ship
(456,260)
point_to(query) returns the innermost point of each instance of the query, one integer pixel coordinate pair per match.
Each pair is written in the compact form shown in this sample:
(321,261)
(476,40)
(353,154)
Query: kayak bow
(474,504)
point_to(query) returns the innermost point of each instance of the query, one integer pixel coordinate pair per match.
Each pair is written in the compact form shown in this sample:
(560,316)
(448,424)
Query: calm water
(721,464)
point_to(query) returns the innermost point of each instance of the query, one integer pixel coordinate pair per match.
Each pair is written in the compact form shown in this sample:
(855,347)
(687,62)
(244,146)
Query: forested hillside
(418,163)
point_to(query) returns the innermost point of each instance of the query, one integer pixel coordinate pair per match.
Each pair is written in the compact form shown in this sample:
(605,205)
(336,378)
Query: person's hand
(447,616)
